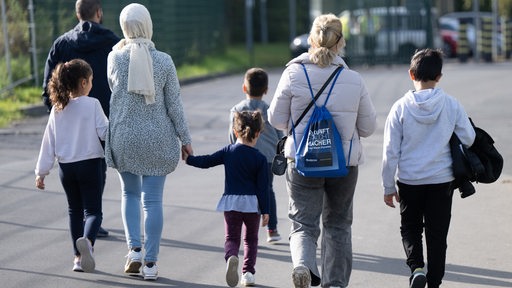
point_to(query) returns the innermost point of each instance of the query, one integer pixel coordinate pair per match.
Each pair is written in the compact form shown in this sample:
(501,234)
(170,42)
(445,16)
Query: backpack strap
(332,85)
(335,72)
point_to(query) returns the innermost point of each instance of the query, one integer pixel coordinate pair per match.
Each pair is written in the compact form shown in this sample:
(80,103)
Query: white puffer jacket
(349,104)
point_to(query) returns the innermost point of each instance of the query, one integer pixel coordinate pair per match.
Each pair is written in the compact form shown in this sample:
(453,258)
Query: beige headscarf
(137,29)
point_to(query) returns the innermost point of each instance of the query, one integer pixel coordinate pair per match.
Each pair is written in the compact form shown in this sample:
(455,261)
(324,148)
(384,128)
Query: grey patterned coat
(145,139)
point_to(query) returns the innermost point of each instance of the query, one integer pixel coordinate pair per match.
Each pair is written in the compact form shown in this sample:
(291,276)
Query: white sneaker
(77,266)
(150,273)
(232,271)
(86,258)
(133,262)
(301,277)
(273,236)
(247,279)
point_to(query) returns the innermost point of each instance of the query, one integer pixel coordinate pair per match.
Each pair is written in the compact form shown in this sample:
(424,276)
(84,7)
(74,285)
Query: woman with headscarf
(312,199)
(147,131)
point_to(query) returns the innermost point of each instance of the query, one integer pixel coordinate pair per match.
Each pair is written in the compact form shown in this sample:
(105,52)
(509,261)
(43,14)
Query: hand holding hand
(186,150)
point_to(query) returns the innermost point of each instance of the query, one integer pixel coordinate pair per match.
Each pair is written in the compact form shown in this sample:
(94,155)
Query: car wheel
(448,50)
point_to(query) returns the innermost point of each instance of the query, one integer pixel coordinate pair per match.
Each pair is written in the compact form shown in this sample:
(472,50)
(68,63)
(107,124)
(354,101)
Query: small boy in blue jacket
(255,86)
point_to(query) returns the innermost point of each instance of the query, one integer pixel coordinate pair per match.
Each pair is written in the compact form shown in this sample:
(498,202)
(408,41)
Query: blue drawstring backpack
(320,152)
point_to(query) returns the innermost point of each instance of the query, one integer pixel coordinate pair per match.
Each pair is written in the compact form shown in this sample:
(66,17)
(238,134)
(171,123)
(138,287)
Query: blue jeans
(83,183)
(272,221)
(330,200)
(150,189)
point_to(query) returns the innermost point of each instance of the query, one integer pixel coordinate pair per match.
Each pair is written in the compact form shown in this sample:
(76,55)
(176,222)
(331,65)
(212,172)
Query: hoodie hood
(425,105)
(89,36)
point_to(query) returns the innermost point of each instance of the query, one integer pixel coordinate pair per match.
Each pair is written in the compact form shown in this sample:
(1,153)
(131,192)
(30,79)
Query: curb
(35,110)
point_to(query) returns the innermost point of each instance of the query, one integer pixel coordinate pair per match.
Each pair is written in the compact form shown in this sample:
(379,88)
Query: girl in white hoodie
(75,127)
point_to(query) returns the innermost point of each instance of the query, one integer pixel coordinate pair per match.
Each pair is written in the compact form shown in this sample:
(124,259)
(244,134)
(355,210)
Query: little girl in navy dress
(246,194)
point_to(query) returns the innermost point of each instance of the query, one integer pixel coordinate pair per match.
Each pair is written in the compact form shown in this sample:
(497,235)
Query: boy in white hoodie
(416,149)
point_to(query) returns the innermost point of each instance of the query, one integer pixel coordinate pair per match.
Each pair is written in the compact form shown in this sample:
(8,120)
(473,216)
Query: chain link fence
(187,30)
(377,31)
(184,29)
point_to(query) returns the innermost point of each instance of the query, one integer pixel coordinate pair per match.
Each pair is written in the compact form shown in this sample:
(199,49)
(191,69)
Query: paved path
(35,250)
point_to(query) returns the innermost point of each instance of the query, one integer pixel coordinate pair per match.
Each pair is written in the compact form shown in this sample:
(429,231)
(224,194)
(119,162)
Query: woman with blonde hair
(325,40)
(147,132)
(329,199)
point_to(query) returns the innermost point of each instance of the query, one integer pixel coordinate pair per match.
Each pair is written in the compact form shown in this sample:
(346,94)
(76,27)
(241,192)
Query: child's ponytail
(66,79)
(247,124)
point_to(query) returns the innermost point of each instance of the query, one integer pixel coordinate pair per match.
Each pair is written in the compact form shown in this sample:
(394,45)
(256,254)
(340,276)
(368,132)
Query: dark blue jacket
(88,41)
(246,171)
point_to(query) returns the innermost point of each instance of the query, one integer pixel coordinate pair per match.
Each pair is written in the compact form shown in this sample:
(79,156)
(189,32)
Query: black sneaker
(102,233)
(418,279)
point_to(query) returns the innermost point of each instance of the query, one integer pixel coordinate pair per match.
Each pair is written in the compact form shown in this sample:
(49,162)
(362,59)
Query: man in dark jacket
(92,42)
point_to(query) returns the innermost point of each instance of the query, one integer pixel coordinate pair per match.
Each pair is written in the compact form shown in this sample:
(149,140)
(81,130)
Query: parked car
(450,35)
(452,21)
(299,45)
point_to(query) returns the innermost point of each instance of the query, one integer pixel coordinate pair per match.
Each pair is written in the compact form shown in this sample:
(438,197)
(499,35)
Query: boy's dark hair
(65,79)
(427,64)
(85,9)
(247,124)
(256,82)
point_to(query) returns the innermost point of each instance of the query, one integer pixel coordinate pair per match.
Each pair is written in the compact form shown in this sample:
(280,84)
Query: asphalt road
(35,246)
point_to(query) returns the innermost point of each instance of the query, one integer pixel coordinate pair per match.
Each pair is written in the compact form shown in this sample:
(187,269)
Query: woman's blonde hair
(326,33)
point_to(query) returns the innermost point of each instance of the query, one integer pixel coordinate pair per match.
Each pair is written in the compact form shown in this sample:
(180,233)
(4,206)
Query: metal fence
(381,31)
(184,29)
(390,33)
(187,30)
(377,31)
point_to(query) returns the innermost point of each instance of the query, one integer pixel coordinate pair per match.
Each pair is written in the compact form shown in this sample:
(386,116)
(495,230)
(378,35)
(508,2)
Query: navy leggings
(83,183)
